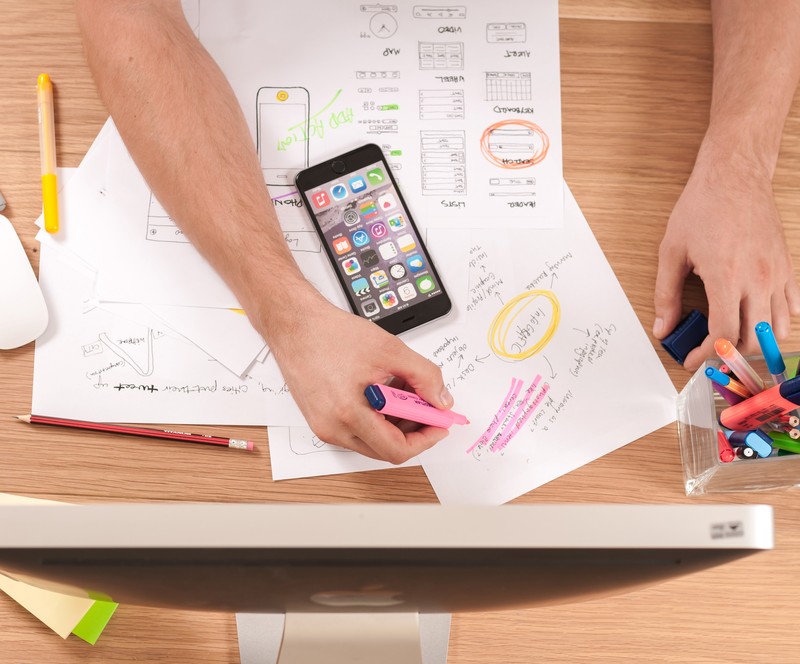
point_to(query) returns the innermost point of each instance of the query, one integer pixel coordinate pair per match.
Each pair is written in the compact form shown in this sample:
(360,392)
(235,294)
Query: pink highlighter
(409,406)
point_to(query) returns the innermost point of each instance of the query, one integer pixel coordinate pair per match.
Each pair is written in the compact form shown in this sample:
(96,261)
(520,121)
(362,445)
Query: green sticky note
(94,622)
(791,366)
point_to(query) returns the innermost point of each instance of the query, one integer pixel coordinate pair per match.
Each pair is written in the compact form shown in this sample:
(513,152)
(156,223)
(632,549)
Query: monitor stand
(343,638)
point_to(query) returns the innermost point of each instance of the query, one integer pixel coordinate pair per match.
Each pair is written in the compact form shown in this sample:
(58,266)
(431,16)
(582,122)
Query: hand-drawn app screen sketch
(375,247)
(282,121)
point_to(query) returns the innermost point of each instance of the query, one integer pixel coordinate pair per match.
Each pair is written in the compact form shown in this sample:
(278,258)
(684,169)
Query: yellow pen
(47,148)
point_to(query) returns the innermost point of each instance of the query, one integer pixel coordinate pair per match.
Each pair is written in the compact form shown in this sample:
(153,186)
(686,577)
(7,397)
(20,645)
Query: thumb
(672,271)
(422,376)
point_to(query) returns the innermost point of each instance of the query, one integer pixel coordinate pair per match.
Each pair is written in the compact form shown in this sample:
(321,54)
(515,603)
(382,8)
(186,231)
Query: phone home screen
(377,252)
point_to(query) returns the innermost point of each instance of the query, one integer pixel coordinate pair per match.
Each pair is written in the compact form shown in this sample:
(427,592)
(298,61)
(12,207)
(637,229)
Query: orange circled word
(512,144)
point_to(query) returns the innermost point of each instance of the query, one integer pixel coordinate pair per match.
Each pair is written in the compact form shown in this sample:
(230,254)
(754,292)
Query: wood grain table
(636,78)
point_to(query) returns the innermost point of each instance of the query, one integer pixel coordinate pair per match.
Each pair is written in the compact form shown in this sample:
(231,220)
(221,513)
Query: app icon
(388,250)
(397,271)
(369,257)
(320,199)
(357,184)
(407,292)
(341,245)
(425,284)
(388,299)
(338,191)
(369,307)
(415,263)
(368,210)
(360,238)
(360,286)
(375,177)
(378,229)
(397,222)
(387,202)
(406,242)
(351,266)
(350,217)
(379,278)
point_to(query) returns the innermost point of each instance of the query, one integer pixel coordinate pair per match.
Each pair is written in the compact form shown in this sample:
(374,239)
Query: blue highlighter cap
(688,335)
(375,397)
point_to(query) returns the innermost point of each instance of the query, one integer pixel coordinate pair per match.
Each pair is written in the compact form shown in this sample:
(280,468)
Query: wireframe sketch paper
(465,100)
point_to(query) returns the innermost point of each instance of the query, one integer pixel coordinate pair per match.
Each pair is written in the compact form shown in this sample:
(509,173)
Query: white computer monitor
(371,568)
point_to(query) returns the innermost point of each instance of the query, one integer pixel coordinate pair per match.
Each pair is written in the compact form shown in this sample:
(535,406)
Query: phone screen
(374,244)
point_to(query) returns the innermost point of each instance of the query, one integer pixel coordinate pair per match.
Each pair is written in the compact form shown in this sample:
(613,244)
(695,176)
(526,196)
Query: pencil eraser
(688,335)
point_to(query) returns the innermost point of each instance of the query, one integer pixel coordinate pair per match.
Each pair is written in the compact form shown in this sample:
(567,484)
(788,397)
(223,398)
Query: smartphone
(282,132)
(372,241)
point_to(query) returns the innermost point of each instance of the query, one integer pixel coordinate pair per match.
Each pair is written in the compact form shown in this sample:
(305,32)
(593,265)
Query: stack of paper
(542,351)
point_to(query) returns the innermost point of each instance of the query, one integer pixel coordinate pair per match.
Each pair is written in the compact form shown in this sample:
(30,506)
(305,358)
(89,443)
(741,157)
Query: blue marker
(772,354)
(727,382)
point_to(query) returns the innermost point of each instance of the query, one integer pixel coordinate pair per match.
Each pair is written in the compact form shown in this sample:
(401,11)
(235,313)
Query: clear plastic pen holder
(699,407)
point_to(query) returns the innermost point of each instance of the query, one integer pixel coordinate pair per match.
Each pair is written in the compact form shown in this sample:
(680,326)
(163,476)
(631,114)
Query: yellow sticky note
(59,612)
(63,613)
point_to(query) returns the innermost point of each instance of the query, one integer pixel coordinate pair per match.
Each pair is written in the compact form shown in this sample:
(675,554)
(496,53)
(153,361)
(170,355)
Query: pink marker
(409,406)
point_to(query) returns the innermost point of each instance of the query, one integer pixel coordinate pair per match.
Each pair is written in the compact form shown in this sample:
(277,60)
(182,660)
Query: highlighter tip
(722,346)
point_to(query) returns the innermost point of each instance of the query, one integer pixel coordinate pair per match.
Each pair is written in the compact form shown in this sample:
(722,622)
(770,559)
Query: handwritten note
(543,354)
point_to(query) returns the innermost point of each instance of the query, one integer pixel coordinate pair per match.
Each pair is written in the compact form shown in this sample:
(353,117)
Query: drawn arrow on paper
(586,330)
(499,298)
(553,280)
(481,359)
(552,373)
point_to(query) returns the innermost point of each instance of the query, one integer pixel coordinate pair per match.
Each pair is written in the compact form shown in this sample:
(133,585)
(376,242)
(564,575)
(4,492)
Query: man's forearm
(756,71)
(185,130)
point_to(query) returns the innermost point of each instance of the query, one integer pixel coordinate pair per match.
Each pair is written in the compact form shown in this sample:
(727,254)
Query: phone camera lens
(338,166)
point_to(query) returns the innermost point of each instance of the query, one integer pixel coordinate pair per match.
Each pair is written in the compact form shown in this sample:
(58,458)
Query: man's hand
(726,229)
(329,357)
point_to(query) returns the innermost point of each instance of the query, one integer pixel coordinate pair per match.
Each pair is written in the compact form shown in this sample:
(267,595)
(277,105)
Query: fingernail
(447,398)
(658,327)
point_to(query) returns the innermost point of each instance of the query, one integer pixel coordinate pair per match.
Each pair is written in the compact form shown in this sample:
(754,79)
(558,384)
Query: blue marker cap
(769,346)
(717,376)
(790,390)
(756,440)
(688,335)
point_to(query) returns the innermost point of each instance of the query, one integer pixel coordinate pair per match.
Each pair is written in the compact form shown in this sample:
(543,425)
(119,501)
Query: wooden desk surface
(636,76)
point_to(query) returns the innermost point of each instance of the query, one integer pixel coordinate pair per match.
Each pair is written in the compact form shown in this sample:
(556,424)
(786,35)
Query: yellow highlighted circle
(505,319)
(282,95)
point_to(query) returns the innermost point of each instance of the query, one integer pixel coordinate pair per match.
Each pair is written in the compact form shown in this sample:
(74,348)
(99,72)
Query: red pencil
(234,443)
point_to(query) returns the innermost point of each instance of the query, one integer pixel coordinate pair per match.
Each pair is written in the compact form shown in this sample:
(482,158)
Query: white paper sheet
(594,384)
(92,365)
(297,452)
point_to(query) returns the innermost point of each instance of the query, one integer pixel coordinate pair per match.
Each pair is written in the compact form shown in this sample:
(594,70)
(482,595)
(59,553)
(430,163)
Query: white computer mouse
(23,313)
